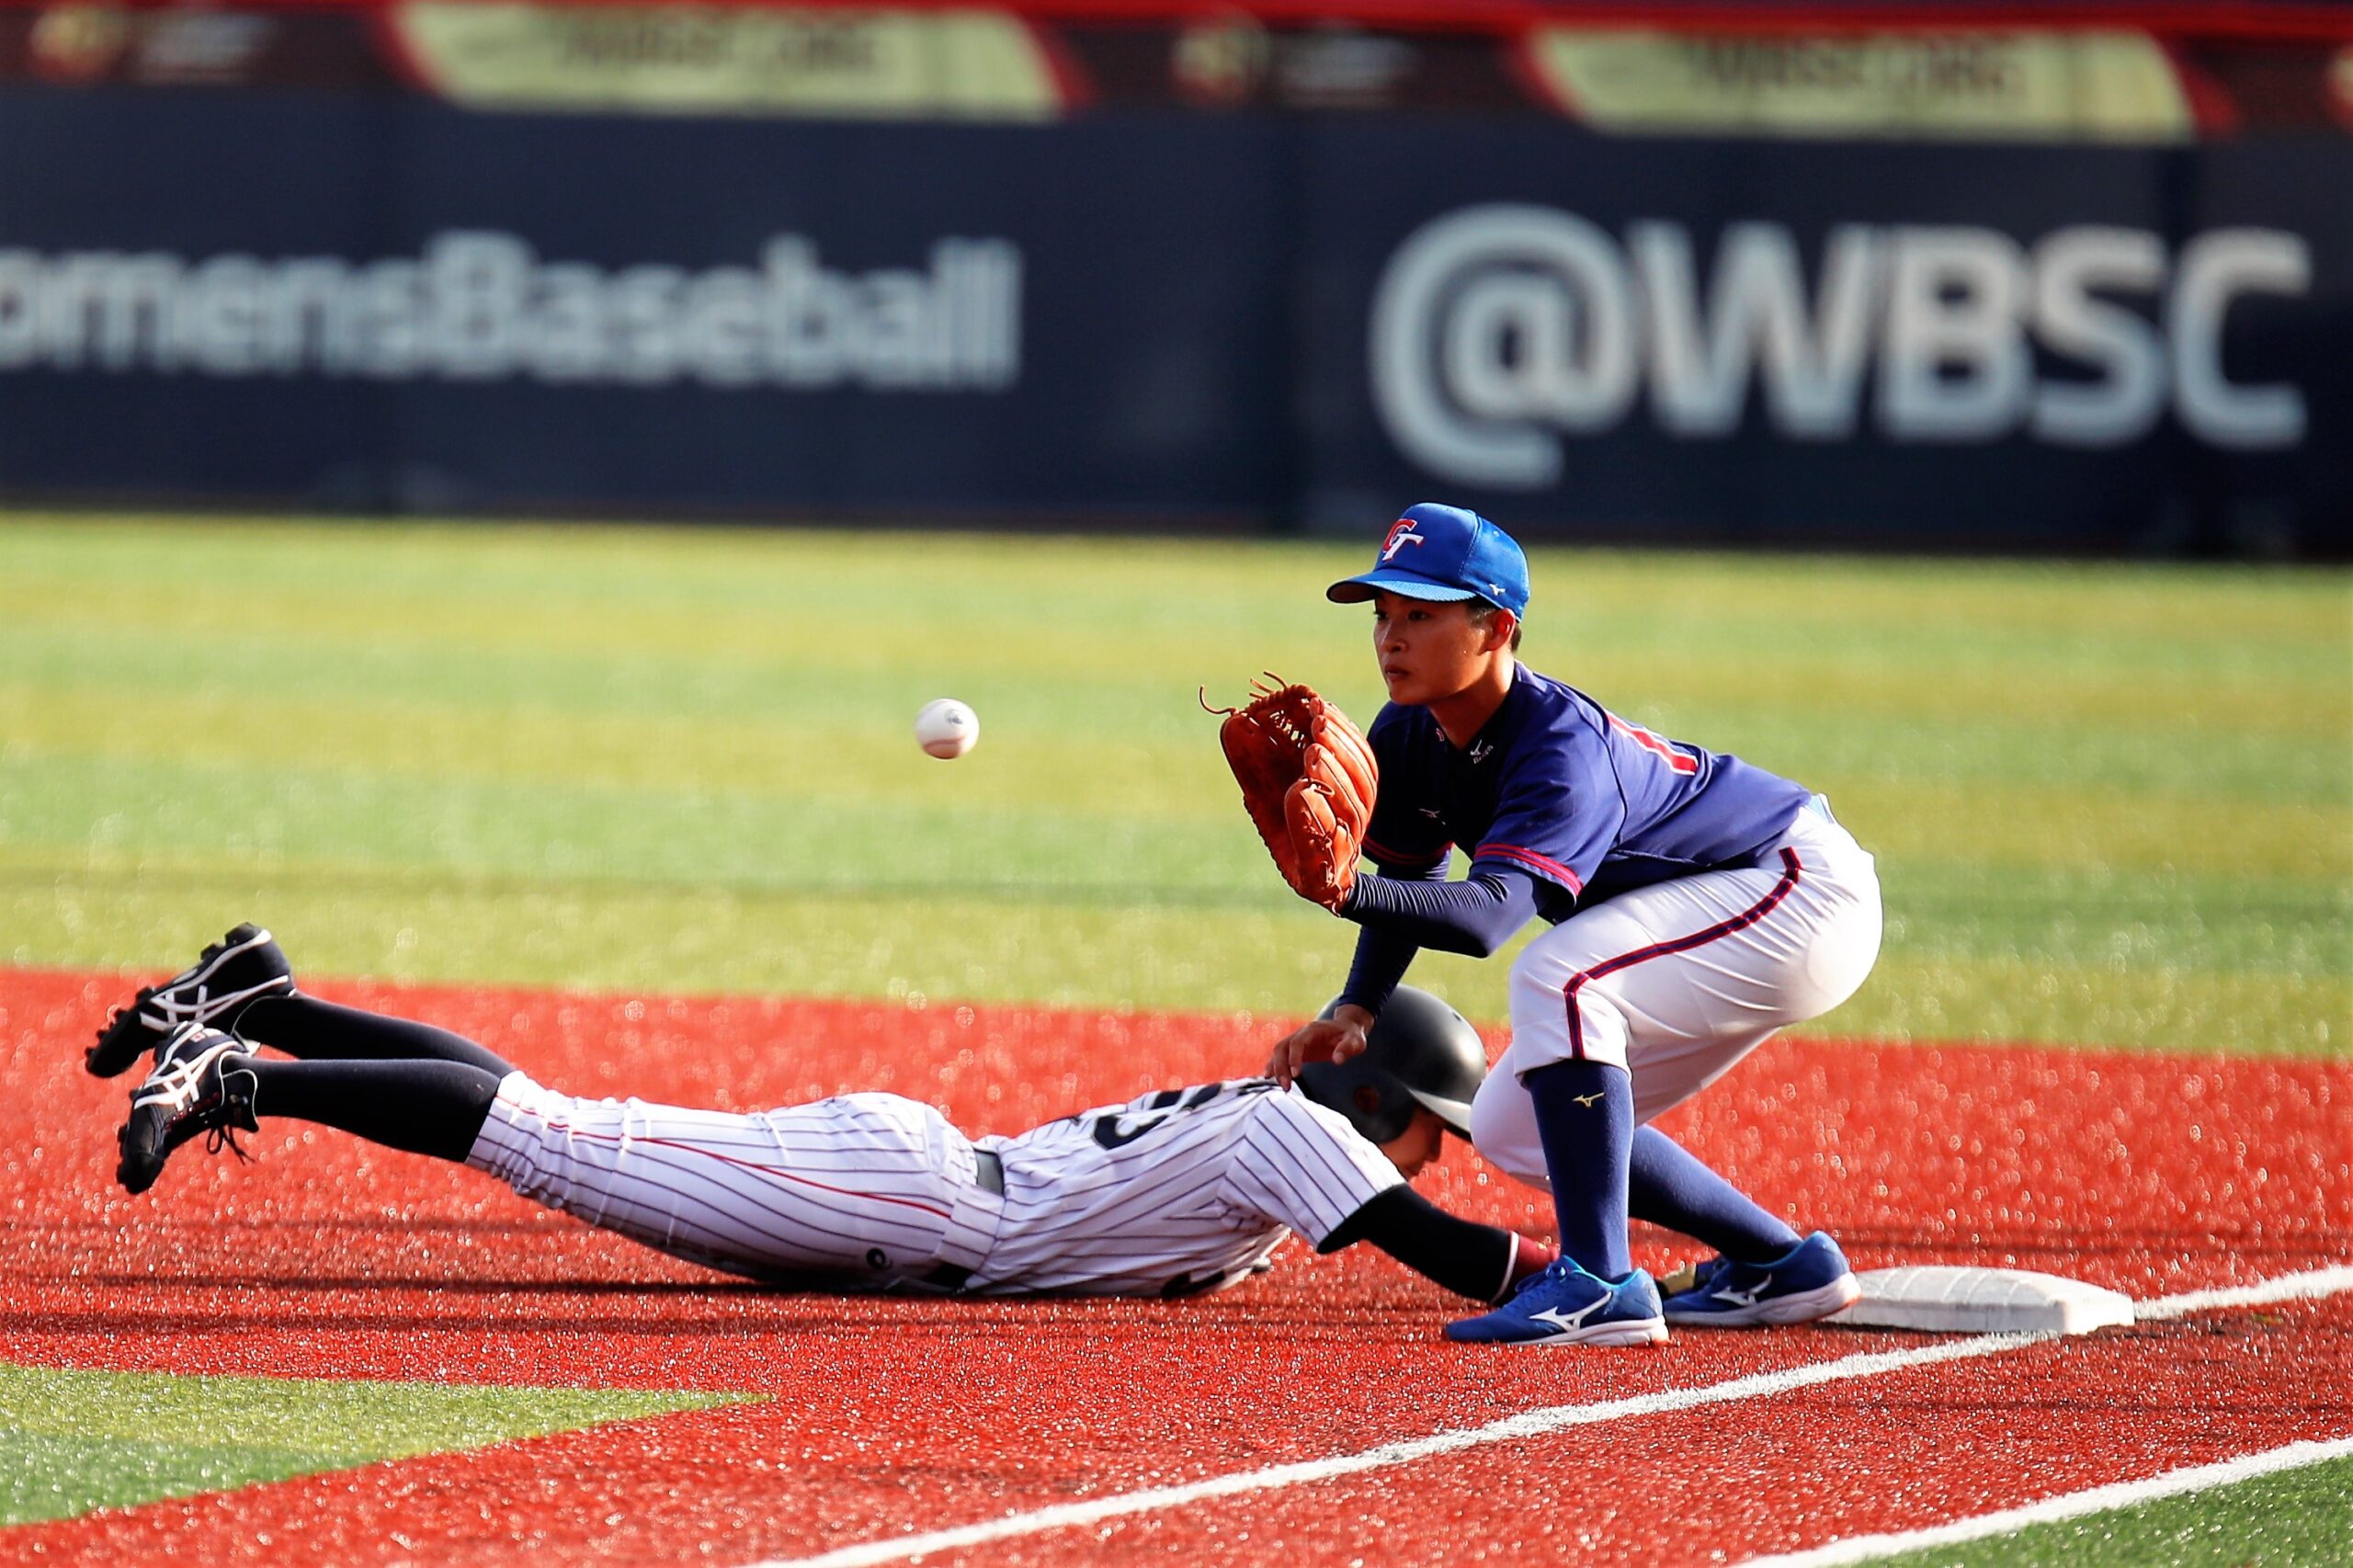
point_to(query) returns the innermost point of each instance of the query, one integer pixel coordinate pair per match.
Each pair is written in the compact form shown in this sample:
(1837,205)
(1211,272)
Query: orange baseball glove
(1309,779)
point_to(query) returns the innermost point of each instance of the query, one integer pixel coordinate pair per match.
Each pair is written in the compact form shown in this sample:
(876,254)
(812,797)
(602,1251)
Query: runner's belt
(988,1174)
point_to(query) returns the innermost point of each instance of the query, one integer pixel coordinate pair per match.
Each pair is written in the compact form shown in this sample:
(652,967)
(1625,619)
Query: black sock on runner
(316,1030)
(424,1107)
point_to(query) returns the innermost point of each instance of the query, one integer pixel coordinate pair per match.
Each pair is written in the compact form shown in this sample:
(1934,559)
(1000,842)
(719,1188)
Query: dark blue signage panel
(2031,347)
(333,301)
(387,303)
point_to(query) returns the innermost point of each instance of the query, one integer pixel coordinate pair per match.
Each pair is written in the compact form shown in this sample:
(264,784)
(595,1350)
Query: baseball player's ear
(1500,626)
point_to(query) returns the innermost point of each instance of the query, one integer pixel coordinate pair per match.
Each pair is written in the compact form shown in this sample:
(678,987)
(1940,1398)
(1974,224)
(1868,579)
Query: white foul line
(1531,1424)
(1528,1424)
(2099,1500)
(2308,1285)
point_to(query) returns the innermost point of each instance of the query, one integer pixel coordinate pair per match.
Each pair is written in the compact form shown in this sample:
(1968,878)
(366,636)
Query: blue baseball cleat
(1809,1281)
(1564,1305)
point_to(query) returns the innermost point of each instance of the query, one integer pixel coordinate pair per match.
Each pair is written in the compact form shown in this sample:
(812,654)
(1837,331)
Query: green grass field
(2112,804)
(2294,1520)
(74,1441)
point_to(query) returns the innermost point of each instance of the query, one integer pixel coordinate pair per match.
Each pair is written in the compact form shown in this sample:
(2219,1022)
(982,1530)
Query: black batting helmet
(1419,1051)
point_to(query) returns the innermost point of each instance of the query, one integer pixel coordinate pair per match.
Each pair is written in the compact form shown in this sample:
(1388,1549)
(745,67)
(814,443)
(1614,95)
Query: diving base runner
(1177,1192)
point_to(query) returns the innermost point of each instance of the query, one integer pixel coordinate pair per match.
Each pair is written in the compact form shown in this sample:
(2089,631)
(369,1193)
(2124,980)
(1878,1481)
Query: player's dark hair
(1481,611)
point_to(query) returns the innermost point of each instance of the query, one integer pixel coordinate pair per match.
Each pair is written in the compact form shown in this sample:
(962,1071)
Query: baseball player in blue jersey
(1699,903)
(1174,1193)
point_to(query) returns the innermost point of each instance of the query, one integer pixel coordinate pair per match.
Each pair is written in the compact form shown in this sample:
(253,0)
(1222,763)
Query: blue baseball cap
(1434,552)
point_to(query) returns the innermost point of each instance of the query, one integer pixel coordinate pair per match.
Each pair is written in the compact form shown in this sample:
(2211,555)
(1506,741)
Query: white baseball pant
(873,1188)
(1677,982)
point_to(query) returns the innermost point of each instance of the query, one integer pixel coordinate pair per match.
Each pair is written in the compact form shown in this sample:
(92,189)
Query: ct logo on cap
(1400,535)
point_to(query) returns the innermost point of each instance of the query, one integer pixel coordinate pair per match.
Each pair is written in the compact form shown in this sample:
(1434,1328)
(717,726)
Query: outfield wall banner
(2009,346)
(336,302)
(1993,85)
(826,60)
(2101,73)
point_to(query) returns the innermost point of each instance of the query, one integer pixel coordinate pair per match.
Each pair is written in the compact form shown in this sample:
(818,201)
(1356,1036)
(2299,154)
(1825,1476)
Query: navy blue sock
(1585,1114)
(1669,1187)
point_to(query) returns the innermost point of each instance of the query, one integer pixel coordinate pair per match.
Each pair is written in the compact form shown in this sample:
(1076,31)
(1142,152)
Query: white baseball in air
(947,728)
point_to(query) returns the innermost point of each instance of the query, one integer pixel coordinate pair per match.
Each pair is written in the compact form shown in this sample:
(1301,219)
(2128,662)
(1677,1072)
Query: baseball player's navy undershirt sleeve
(1382,959)
(1475,915)
(1469,1260)
(1381,962)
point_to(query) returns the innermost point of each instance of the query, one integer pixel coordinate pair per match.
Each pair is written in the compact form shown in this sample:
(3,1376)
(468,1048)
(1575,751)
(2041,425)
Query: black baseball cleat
(201,1083)
(242,967)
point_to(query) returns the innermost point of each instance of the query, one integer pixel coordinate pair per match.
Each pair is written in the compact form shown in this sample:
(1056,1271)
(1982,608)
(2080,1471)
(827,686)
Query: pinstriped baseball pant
(870,1190)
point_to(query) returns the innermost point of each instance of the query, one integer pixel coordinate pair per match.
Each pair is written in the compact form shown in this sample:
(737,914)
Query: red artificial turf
(2152,1174)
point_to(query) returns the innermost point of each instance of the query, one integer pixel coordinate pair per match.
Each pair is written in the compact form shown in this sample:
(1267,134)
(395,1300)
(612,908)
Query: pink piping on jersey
(1533,861)
(1790,866)
(1651,741)
(571,1132)
(1393,858)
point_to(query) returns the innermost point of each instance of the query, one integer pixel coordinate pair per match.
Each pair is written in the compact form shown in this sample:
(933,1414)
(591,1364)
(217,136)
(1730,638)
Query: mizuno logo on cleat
(1747,1298)
(1575,1320)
